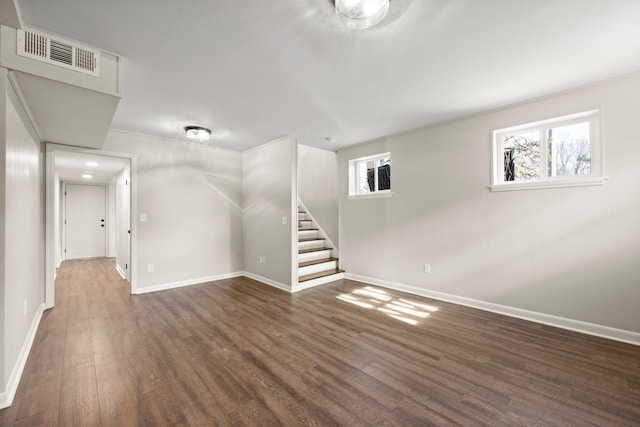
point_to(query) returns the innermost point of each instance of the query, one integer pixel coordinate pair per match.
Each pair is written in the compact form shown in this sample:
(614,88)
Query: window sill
(378,195)
(550,183)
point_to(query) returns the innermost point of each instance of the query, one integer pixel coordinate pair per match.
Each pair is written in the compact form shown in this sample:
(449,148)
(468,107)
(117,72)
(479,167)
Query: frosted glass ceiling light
(198,133)
(361,14)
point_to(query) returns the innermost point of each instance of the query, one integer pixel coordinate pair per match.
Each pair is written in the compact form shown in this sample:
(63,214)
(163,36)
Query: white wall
(318,187)
(22,216)
(570,252)
(192,196)
(269,195)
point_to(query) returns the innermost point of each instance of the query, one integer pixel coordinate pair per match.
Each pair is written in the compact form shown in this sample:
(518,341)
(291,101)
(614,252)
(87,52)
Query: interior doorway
(89,209)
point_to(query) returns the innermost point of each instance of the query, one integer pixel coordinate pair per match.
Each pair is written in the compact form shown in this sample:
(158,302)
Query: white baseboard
(195,281)
(622,335)
(120,272)
(201,280)
(6,397)
(266,281)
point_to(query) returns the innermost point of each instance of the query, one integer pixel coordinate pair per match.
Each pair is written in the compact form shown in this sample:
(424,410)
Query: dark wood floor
(236,352)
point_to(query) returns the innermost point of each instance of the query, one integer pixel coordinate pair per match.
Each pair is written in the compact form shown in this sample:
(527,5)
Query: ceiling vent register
(56,51)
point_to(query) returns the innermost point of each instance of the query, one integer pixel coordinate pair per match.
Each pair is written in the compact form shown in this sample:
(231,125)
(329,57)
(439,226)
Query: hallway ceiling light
(92,164)
(198,133)
(87,176)
(361,14)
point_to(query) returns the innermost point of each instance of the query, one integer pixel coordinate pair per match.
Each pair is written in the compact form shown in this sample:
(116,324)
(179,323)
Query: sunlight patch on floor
(402,309)
(354,300)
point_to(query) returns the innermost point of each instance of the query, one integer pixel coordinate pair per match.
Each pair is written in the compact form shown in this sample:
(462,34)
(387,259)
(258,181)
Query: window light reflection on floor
(354,300)
(402,309)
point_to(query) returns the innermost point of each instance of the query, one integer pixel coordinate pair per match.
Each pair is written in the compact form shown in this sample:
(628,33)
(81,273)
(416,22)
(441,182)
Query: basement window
(561,152)
(370,176)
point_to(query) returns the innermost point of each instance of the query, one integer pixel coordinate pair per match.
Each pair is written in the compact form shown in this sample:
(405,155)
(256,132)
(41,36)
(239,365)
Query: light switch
(143,217)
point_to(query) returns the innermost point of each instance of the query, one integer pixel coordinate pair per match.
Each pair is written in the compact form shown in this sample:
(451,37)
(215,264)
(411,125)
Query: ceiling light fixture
(198,133)
(87,176)
(92,164)
(361,14)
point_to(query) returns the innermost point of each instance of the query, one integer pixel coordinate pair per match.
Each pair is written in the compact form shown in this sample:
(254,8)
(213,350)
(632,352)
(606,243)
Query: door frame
(50,238)
(63,209)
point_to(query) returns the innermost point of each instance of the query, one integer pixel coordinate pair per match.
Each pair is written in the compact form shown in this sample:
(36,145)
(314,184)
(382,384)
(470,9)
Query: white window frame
(354,178)
(595,177)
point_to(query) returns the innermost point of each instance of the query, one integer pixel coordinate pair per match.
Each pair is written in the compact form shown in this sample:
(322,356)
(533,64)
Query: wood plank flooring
(236,352)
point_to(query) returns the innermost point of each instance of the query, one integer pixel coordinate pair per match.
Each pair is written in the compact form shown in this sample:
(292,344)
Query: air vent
(56,51)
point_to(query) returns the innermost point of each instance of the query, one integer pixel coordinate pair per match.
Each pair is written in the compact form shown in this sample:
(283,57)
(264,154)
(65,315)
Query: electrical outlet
(263,259)
(150,267)
(143,217)
(427,268)
(284,220)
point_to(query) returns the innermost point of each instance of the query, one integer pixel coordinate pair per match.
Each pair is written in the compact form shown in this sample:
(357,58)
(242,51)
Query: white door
(85,221)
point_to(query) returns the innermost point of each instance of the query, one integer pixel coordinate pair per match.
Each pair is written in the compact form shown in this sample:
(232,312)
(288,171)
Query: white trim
(293,221)
(266,281)
(383,194)
(189,282)
(615,334)
(549,183)
(133,224)
(120,272)
(204,280)
(6,397)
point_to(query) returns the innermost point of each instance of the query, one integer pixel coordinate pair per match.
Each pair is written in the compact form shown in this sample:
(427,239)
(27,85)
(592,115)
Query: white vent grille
(58,52)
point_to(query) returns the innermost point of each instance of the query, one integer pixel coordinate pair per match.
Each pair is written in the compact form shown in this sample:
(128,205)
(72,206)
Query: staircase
(316,262)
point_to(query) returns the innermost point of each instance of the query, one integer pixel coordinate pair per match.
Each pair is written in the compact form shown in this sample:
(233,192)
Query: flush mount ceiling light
(361,14)
(198,133)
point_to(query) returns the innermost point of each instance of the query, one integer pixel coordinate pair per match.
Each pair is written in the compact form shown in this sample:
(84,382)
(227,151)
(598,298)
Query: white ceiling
(258,69)
(70,166)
